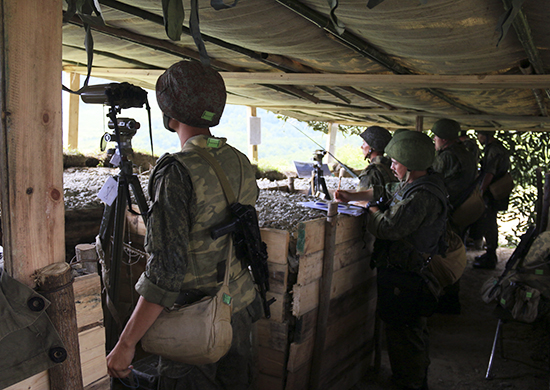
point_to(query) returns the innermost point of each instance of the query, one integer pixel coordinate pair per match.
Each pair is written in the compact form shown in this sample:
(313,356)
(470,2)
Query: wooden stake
(55,282)
(324,295)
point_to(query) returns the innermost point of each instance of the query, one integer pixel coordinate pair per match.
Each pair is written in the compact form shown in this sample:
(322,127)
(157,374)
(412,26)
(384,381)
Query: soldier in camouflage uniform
(459,169)
(457,165)
(187,202)
(494,165)
(407,232)
(375,139)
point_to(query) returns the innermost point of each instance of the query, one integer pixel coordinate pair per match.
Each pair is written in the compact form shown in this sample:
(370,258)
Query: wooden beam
(391,81)
(31,148)
(74,104)
(356,80)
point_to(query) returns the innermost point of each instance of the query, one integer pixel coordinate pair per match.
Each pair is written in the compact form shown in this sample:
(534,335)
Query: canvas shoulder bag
(201,332)
(502,188)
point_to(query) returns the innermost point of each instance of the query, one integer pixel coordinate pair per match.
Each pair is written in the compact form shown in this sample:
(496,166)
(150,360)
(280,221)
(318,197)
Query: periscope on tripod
(118,96)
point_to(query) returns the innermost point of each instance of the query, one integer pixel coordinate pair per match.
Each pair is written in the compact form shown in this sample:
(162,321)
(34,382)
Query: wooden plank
(306,298)
(357,338)
(31,148)
(92,354)
(298,380)
(35,382)
(356,370)
(92,357)
(267,382)
(279,308)
(350,301)
(278,277)
(271,362)
(309,234)
(340,333)
(277,244)
(346,253)
(350,227)
(74,102)
(273,334)
(87,295)
(355,80)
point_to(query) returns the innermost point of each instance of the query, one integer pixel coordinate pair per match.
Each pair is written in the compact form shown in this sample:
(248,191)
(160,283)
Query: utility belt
(187,297)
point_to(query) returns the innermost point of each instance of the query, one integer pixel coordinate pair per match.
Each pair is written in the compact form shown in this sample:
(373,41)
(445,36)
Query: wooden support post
(324,295)
(74,103)
(331,142)
(31,148)
(252,145)
(55,282)
(419,123)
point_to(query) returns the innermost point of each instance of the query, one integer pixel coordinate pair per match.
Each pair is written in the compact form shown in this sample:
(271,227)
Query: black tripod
(126,179)
(318,185)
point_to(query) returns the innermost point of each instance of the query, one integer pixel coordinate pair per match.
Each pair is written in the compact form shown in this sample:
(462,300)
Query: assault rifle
(249,247)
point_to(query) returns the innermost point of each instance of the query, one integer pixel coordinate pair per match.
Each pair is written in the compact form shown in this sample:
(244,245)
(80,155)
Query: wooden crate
(287,340)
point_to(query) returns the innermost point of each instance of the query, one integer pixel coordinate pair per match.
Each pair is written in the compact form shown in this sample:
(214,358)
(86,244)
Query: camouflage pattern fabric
(377,174)
(416,217)
(459,169)
(188,201)
(178,264)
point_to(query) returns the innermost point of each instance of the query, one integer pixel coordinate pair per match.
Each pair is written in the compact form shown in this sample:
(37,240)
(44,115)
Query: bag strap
(227,190)
(222,177)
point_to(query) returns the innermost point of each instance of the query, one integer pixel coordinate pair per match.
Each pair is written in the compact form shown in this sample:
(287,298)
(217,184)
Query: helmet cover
(376,137)
(446,129)
(413,149)
(192,93)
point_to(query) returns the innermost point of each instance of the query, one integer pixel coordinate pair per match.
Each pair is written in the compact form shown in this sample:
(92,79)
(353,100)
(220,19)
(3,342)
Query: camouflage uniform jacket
(377,174)
(459,170)
(188,201)
(414,223)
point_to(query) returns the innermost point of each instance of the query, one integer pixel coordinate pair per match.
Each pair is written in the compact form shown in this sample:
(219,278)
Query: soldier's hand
(342,196)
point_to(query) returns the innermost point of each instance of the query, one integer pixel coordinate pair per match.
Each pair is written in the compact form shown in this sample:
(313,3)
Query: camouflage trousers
(408,352)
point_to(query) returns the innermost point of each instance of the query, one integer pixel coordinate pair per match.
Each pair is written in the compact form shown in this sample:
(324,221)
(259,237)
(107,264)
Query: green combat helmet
(413,149)
(377,137)
(446,129)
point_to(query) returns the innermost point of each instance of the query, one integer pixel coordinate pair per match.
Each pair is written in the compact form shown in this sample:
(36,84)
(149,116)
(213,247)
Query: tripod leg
(325,189)
(489,375)
(140,197)
(113,325)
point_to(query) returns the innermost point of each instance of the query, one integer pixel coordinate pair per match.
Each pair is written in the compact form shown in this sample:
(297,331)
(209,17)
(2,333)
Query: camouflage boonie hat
(377,137)
(446,129)
(413,149)
(192,93)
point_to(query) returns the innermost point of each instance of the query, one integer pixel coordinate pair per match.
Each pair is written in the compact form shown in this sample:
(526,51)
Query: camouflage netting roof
(396,37)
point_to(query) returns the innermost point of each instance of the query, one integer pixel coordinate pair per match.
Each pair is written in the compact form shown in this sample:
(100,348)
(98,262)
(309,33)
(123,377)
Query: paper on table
(342,207)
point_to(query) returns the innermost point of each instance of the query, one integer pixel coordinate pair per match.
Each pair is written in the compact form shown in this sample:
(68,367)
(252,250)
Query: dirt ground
(460,345)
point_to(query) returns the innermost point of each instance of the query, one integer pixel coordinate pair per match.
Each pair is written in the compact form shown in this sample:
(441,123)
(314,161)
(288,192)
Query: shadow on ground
(460,345)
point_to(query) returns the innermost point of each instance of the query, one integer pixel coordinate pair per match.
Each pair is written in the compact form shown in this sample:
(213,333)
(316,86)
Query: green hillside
(281,142)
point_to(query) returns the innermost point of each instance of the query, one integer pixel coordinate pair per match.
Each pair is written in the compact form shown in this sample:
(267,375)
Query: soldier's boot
(486,261)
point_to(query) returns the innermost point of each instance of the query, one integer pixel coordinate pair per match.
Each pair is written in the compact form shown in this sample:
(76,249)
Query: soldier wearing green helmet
(409,228)
(459,169)
(453,160)
(378,173)
(187,201)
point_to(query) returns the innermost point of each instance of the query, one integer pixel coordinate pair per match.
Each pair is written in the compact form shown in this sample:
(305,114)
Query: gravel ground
(276,209)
